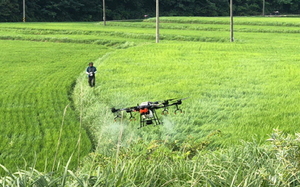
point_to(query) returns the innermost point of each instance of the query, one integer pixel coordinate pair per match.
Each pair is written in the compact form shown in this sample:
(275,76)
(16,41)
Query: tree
(60,10)
(90,10)
(9,11)
(288,6)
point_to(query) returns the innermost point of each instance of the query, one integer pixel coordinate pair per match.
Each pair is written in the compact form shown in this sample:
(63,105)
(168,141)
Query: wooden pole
(24,13)
(104,16)
(263,9)
(157,21)
(231,22)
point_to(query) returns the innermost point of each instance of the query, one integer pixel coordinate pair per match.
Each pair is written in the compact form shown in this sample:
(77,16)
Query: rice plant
(238,93)
(35,92)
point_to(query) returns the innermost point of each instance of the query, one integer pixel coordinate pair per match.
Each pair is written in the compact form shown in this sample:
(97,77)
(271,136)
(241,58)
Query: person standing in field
(91,71)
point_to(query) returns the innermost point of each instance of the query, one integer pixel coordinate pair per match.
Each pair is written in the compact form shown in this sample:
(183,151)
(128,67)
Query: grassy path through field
(35,91)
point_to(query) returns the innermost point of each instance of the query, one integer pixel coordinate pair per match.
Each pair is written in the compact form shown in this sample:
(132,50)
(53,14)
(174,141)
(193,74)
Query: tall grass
(249,164)
(238,93)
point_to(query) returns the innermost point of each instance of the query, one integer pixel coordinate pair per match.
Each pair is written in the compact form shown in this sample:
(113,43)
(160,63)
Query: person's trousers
(92,81)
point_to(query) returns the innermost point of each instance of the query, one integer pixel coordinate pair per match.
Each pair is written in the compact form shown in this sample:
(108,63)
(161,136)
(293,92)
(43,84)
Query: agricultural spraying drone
(148,109)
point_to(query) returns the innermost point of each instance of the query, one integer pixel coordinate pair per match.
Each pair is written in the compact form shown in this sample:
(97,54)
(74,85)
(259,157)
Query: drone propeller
(178,102)
(113,110)
(184,98)
(166,102)
(127,110)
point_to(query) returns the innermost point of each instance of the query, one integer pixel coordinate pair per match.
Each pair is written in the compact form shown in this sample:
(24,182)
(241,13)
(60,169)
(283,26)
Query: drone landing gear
(144,120)
(131,116)
(177,110)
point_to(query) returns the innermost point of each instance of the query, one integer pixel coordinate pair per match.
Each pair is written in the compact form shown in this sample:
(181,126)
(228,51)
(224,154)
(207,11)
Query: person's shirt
(91,70)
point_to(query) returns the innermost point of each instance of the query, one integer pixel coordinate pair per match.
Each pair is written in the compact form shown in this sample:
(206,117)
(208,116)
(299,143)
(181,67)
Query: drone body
(147,110)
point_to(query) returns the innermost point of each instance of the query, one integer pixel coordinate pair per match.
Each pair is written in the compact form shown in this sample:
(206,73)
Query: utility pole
(263,9)
(24,14)
(231,22)
(157,21)
(104,16)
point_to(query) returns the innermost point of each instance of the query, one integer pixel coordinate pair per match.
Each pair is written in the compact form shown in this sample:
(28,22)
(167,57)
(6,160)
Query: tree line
(90,10)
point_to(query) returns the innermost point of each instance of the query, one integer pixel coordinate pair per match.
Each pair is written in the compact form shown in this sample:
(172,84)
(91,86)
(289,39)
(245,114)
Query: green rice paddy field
(237,92)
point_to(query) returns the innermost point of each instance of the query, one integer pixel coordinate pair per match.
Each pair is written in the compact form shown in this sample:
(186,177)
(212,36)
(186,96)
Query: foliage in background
(81,10)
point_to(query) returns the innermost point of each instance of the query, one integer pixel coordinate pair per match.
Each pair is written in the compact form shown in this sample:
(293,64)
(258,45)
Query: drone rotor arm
(147,110)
